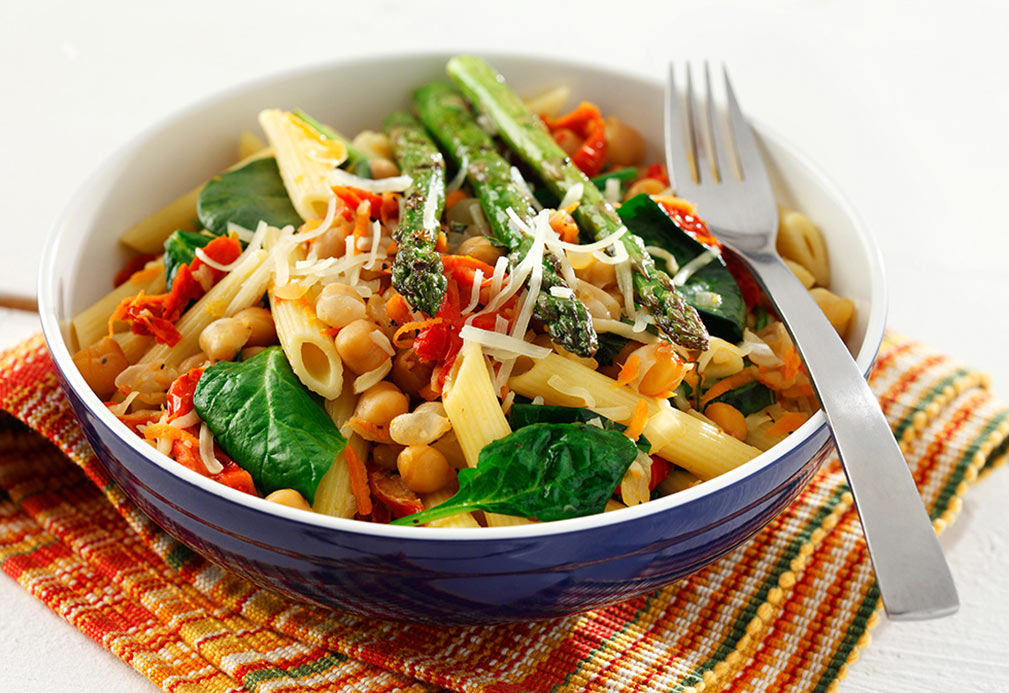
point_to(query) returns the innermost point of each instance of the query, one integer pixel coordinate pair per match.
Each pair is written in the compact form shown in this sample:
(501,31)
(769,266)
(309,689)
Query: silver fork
(911,571)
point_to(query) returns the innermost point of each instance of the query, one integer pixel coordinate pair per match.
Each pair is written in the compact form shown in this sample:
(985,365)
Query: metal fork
(911,571)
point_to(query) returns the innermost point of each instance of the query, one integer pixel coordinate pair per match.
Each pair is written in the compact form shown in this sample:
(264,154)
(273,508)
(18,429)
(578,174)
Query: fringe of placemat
(789,610)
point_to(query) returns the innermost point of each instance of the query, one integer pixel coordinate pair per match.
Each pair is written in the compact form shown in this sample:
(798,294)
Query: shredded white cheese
(382,342)
(372,377)
(459,178)
(244,234)
(191,418)
(124,406)
(561,292)
(207,260)
(708,299)
(392,184)
(503,343)
(623,329)
(612,190)
(521,183)
(376,236)
(207,451)
(672,267)
(474,294)
(573,194)
(697,263)
(325,225)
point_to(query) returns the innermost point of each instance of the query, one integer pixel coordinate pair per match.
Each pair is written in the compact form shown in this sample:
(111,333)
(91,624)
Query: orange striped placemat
(788,610)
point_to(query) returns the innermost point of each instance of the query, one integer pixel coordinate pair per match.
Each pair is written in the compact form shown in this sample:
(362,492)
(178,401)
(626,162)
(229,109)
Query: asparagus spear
(446,114)
(528,137)
(417,270)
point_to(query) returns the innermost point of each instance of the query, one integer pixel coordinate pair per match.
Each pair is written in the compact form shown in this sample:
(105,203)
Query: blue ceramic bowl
(421,574)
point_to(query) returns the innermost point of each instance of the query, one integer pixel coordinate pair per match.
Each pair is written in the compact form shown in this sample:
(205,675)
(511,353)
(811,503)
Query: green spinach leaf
(180,249)
(749,398)
(267,422)
(245,197)
(644,217)
(549,471)
(522,414)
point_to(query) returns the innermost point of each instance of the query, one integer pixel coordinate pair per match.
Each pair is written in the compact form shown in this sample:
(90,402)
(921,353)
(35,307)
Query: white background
(905,105)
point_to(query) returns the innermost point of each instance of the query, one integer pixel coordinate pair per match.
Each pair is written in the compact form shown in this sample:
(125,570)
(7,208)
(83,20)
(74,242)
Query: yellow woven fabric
(788,610)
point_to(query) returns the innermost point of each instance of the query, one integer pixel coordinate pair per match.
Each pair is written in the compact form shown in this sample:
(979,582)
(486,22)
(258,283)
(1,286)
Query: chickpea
(410,374)
(568,140)
(264,333)
(665,369)
(599,303)
(598,274)
(333,243)
(385,455)
(100,364)
(195,361)
(624,144)
(424,425)
(339,305)
(358,349)
(381,403)
(728,418)
(222,339)
(481,248)
(290,498)
(424,469)
(649,186)
(373,143)
(383,168)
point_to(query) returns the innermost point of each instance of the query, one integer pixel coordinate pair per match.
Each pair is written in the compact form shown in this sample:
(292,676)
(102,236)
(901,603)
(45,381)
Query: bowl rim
(47,291)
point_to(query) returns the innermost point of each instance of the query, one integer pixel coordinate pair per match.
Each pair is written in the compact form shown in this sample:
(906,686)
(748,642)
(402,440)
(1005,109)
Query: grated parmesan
(561,292)
(694,265)
(521,183)
(474,295)
(612,190)
(381,185)
(503,343)
(459,178)
(573,195)
(672,266)
(561,386)
(207,451)
(372,377)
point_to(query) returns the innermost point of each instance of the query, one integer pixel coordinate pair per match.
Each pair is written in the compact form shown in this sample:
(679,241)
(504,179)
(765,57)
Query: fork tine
(719,148)
(751,164)
(678,161)
(696,150)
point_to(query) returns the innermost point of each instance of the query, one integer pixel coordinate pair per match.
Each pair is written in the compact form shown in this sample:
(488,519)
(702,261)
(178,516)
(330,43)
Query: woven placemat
(788,610)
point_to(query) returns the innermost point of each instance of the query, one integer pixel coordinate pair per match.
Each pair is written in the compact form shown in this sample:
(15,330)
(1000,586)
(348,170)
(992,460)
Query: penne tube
(306,161)
(477,419)
(697,446)
(334,495)
(92,323)
(465,520)
(309,349)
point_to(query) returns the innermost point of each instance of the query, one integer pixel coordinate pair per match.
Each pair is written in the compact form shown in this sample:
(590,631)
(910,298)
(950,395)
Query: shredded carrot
(441,245)
(637,423)
(358,481)
(692,378)
(361,223)
(731,383)
(397,309)
(798,390)
(572,207)
(369,431)
(411,327)
(159,430)
(564,226)
(629,371)
(792,364)
(788,422)
(331,331)
(453,198)
(392,248)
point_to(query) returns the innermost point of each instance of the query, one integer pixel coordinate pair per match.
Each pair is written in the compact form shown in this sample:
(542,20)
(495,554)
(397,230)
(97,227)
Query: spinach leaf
(245,197)
(180,249)
(644,217)
(521,415)
(268,423)
(610,345)
(549,471)
(749,398)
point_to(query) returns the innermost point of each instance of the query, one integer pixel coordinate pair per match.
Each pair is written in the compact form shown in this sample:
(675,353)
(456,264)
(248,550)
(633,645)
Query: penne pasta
(311,351)
(334,496)
(306,161)
(92,323)
(695,445)
(477,419)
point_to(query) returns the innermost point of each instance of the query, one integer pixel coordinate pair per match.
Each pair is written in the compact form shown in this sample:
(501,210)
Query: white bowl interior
(189,147)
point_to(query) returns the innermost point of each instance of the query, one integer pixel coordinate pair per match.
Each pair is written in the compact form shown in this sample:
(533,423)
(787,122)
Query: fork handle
(911,572)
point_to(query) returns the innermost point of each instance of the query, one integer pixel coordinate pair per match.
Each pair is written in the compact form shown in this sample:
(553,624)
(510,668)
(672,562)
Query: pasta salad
(488,313)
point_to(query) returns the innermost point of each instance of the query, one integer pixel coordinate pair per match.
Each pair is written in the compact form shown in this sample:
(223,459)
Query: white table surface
(905,105)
